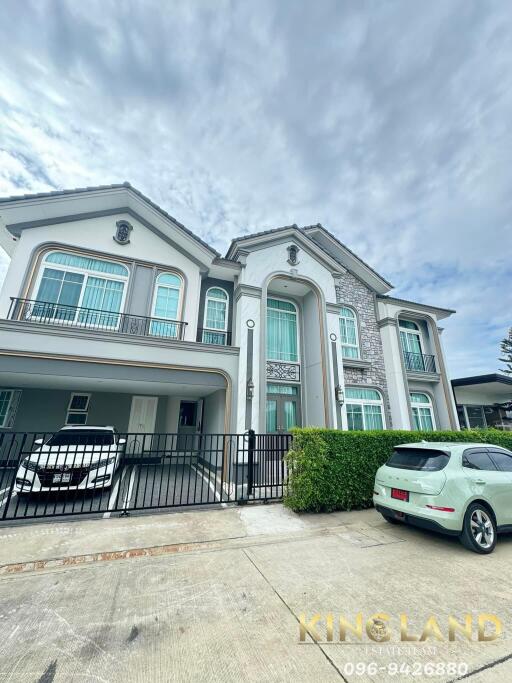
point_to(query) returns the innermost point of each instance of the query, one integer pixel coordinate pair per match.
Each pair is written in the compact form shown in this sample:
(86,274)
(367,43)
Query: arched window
(282,331)
(166,304)
(348,334)
(215,322)
(365,408)
(412,347)
(422,413)
(80,289)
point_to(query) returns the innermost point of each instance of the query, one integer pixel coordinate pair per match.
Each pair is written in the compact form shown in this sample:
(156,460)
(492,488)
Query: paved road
(223,599)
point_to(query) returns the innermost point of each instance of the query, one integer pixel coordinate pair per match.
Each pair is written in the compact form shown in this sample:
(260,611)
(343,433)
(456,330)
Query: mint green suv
(462,489)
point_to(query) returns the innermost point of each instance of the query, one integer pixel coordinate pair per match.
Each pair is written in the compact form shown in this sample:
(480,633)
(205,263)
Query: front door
(282,408)
(143,414)
(142,422)
(189,424)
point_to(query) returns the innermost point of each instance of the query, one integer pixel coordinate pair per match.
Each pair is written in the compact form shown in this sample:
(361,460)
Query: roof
(304,231)
(319,226)
(114,186)
(415,303)
(482,379)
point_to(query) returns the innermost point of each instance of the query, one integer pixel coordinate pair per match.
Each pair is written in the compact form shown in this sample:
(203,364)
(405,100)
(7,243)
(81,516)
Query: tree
(506,349)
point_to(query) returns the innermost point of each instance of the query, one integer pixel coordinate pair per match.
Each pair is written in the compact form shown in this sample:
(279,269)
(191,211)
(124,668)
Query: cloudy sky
(388,122)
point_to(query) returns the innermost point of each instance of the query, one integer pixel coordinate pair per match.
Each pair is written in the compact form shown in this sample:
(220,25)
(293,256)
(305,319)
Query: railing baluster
(51,313)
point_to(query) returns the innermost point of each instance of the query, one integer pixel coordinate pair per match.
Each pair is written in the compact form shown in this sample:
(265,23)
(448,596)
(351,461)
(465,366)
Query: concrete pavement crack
(292,613)
(491,665)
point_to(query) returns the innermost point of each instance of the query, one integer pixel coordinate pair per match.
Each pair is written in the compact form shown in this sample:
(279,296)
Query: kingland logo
(382,627)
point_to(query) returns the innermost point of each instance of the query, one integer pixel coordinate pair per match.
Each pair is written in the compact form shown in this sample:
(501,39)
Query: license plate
(399,494)
(62,478)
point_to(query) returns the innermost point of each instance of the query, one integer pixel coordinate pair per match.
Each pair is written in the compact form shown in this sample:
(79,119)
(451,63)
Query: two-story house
(112,312)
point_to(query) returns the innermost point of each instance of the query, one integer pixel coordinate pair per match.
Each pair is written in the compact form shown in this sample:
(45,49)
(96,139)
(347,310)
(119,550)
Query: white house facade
(112,312)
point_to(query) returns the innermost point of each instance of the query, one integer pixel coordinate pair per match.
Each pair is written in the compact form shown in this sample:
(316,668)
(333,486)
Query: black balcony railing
(419,362)
(46,313)
(217,337)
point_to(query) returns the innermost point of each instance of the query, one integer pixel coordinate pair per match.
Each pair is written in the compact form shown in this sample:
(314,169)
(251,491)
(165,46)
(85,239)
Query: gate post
(251,447)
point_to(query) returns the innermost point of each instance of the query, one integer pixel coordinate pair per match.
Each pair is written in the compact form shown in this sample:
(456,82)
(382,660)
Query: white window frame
(357,345)
(428,404)
(205,314)
(366,401)
(409,330)
(76,411)
(474,405)
(175,287)
(12,407)
(86,273)
(287,301)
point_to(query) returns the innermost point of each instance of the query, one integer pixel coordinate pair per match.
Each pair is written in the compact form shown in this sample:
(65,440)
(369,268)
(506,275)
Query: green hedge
(335,470)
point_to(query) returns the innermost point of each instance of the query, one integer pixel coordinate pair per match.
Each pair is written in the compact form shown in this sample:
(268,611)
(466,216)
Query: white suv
(73,458)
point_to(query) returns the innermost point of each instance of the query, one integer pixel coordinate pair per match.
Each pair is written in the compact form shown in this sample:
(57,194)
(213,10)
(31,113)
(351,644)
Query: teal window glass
(282,389)
(216,310)
(62,290)
(289,415)
(165,307)
(281,331)
(348,334)
(64,258)
(271,416)
(364,408)
(362,394)
(422,414)
(410,339)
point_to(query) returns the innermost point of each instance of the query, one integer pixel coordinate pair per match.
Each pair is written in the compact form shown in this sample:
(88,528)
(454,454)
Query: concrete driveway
(217,595)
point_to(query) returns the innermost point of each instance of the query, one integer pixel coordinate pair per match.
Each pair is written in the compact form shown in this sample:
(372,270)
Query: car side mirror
(122,442)
(38,442)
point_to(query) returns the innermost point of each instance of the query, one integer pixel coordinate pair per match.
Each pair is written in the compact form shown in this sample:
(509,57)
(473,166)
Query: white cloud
(389,123)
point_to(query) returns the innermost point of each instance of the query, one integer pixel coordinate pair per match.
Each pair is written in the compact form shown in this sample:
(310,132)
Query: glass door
(282,408)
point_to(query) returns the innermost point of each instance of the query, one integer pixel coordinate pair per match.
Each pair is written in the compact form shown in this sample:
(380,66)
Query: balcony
(419,362)
(62,315)
(211,336)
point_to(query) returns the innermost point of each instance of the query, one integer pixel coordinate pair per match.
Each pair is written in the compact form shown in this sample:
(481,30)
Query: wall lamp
(339,394)
(250,389)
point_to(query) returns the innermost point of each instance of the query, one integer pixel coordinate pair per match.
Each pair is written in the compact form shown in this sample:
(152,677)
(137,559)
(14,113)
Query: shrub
(335,470)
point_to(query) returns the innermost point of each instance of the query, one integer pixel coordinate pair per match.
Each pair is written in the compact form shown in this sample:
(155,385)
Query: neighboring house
(482,401)
(112,312)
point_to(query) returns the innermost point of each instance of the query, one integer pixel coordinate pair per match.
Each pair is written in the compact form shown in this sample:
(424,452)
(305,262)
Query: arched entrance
(294,379)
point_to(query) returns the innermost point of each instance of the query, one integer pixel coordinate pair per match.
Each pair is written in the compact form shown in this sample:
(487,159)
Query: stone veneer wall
(353,293)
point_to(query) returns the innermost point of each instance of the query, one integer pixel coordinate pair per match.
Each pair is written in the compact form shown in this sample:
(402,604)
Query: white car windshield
(82,437)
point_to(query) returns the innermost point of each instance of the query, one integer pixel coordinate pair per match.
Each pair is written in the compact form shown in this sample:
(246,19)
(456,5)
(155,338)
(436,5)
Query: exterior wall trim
(434,333)
(118,337)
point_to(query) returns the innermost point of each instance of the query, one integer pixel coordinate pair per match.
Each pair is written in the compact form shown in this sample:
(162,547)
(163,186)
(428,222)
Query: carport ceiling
(34,381)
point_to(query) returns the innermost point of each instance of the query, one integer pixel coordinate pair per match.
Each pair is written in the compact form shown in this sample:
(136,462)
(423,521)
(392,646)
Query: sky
(388,122)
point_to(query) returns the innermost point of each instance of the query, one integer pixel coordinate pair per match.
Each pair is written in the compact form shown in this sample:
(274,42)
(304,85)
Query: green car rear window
(419,459)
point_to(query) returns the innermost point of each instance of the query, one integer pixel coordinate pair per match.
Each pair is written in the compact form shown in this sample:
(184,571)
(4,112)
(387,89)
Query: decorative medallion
(123,230)
(293,254)
(250,323)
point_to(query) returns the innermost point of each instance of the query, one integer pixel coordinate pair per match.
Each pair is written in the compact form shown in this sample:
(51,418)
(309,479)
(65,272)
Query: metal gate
(101,471)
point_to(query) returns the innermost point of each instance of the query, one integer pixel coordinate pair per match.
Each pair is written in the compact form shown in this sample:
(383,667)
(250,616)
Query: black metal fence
(419,362)
(64,315)
(102,471)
